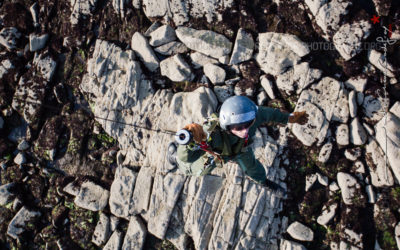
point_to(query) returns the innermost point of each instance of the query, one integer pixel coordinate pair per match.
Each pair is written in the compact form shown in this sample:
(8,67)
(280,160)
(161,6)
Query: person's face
(241,130)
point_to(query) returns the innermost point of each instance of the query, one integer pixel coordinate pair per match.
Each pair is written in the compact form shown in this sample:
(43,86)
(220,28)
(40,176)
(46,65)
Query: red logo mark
(375,19)
(390,30)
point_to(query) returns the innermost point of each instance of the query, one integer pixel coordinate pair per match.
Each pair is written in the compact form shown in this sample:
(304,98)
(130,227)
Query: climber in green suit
(227,137)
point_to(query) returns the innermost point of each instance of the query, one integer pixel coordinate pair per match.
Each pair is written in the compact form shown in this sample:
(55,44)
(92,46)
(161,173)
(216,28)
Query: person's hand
(197,131)
(299,117)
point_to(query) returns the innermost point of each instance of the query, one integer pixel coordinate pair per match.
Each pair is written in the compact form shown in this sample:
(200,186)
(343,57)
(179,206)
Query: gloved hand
(197,131)
(299,117)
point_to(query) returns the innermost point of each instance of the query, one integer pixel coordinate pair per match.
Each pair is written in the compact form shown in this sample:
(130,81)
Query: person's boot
(171,154)
(276,188)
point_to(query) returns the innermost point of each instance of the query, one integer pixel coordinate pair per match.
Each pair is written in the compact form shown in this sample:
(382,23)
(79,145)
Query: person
(227,137)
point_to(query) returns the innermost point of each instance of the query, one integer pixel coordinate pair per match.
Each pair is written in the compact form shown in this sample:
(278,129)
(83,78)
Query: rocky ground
(90,89)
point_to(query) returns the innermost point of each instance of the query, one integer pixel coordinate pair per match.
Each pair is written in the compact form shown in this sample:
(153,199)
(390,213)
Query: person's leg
(251,166)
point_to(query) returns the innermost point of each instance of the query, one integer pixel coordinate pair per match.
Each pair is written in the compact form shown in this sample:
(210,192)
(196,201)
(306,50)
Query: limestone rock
(6,193)
(341,109)
(23,145)
(243,49)
(135,235)
(268,86)
(81,9)
(171,48)
(310,180)
(215,73)
(374,106)
(352,154)
(9,37)
(354,238)
(20,159)
(300,232)
(353,104)
(141,194)
(348,185)
(162,35)
(92,197)
(290,245)
(72,189)
(141,46)
(315,5)
(121,191)
(262,98)
(358,136)
(342,135)
(348,39)
(325,152)
(176,69)
(279,52)
(223,92)
(114,242)
(199,59)
(19,223)
(357,83)
(378,59)
(297,78)
(381,175)
(392,138)
(328,212)
(309,132)
(102,231)
(37,42)
(329,15)
(204,41)
(160,209)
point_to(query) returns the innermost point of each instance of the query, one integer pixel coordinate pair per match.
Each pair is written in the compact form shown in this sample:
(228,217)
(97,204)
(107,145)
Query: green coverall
(196,162)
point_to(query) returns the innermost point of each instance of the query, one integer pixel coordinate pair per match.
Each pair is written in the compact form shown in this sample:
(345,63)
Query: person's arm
(186,153)
(267,114)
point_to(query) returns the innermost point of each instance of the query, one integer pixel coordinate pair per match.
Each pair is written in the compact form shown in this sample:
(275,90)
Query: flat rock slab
(243,49)
(204,41)
(102,231)
(381,175)
(92,197)
(135,235)
(18,223)
(349,187)
(279,52)
(121,191)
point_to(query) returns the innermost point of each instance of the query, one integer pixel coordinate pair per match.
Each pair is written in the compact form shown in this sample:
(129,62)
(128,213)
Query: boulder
(348,39)
(243,49)
(358,136)
(388,137)
(176,69)
(297,78)
(92,197)
(341,109)
(290,245)
(199,60)
(349,187)
(6,193)
(162,35)
(278,52)
(141,46)
(115,241)
(223,92)
(80,9)
(215,73)
(121,191)
(207,42)
(102,231)
(300,232)
(268,86)
(171,48)
(135,235)
(328,212)
(37,42)
(18,224)
(329,15)
(353,104)
(379,60)
(9,37)
(325,152)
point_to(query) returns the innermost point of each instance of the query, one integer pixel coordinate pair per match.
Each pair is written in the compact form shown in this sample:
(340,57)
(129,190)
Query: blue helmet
(237,110)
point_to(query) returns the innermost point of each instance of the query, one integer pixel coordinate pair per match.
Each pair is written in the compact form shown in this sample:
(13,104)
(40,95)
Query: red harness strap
(246,139)
(205,147)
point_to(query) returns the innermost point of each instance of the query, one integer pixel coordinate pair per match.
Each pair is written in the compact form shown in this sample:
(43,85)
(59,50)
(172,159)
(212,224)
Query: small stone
(141,46)
(323,180)
(171,48)
(325,152)
(223,92)
(353,104)
(162,35)
(23,145)
(20,159)
(243,48)
(310,180)
(291,245)
(268,86)
(334,187)
(199,60)
(6,193)
(352,154)
(176,69)
(300,232)
(102,231)
(37,42)
(114,223)
(342,135)
(359,166)
(215,73)
(358,136)
(327,214)
(152,28)
(262,98)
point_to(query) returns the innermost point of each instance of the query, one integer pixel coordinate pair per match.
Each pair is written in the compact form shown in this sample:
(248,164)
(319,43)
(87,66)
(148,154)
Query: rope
(88,111)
